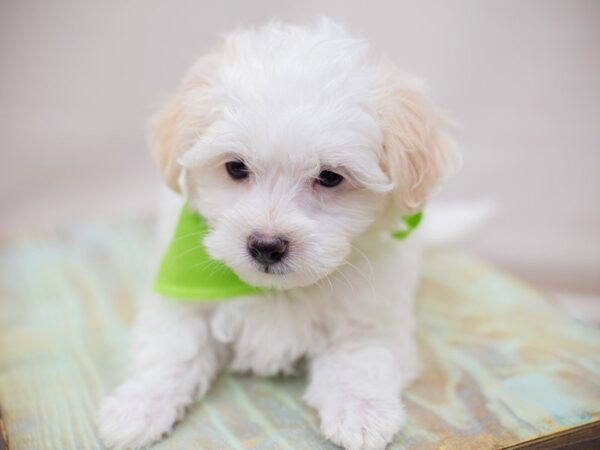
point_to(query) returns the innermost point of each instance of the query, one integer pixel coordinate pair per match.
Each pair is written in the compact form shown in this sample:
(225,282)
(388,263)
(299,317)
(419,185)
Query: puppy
(299,139)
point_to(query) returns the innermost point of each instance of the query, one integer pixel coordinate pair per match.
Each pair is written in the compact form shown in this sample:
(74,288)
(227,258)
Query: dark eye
(237,170)
(329,179)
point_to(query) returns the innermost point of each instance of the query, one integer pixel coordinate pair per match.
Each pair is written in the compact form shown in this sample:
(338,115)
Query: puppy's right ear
(417,153)
(179,123)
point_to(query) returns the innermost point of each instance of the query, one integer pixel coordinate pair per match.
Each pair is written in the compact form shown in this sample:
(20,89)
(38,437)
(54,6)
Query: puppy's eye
(329,179)
(237,169)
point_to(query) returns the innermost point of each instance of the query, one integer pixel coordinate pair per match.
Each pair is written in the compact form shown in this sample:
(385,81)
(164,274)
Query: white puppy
(302,151)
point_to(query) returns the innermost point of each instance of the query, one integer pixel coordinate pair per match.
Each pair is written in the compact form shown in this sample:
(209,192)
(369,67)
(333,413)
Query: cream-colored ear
(169,137)
(181,121)
(417,153)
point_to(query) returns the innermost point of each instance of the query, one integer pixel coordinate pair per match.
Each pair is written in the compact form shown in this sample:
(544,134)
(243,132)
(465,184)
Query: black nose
(267,249)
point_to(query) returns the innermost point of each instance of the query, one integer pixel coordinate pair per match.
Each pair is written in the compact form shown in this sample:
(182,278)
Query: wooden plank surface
(3,434)
(501,365)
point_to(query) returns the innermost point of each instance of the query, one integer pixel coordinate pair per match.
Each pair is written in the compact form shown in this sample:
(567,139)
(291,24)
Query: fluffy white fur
(291,101)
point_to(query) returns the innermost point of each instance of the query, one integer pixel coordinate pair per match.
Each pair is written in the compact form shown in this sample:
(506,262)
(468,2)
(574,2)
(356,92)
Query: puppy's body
(290,103)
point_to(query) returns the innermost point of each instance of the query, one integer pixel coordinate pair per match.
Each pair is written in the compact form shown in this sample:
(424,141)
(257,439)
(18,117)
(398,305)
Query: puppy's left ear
(180,122)
(417,153)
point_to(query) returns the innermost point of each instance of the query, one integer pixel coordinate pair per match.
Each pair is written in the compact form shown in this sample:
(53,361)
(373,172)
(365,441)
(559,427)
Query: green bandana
(187,272)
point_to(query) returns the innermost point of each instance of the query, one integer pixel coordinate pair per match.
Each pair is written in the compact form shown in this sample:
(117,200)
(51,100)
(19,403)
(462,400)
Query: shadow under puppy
(302,152)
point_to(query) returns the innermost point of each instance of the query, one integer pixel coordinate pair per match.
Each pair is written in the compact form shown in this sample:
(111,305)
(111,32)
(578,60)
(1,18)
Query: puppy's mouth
(277,269)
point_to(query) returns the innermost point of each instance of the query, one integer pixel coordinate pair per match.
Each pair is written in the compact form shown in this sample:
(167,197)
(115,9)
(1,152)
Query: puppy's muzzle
(267,250)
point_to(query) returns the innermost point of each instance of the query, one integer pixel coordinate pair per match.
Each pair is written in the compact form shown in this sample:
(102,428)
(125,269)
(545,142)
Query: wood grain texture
(3,434)
(501,365)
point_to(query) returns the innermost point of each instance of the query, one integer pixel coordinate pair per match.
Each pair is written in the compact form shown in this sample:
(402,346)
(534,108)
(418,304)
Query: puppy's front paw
(361,424)
(135,416)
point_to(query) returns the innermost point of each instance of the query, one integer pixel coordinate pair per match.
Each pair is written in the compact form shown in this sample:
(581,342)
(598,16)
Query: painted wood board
(501,364)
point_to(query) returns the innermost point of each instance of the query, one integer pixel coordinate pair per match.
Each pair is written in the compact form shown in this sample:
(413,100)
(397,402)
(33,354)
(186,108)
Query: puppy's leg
(356,386)
(173,362)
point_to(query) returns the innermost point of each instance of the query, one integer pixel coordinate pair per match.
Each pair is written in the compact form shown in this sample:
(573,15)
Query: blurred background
(78,81)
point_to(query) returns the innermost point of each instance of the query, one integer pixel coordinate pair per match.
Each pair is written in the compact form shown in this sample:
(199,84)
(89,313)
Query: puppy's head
(293,142)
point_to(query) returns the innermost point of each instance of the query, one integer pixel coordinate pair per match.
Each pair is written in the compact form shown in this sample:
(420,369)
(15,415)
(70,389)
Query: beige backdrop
(78,80)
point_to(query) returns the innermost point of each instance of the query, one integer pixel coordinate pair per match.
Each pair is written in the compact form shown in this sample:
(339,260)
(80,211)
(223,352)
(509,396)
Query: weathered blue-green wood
(500,363)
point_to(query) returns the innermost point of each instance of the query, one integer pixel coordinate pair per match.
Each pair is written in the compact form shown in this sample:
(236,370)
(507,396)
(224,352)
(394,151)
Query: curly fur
(291,101)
